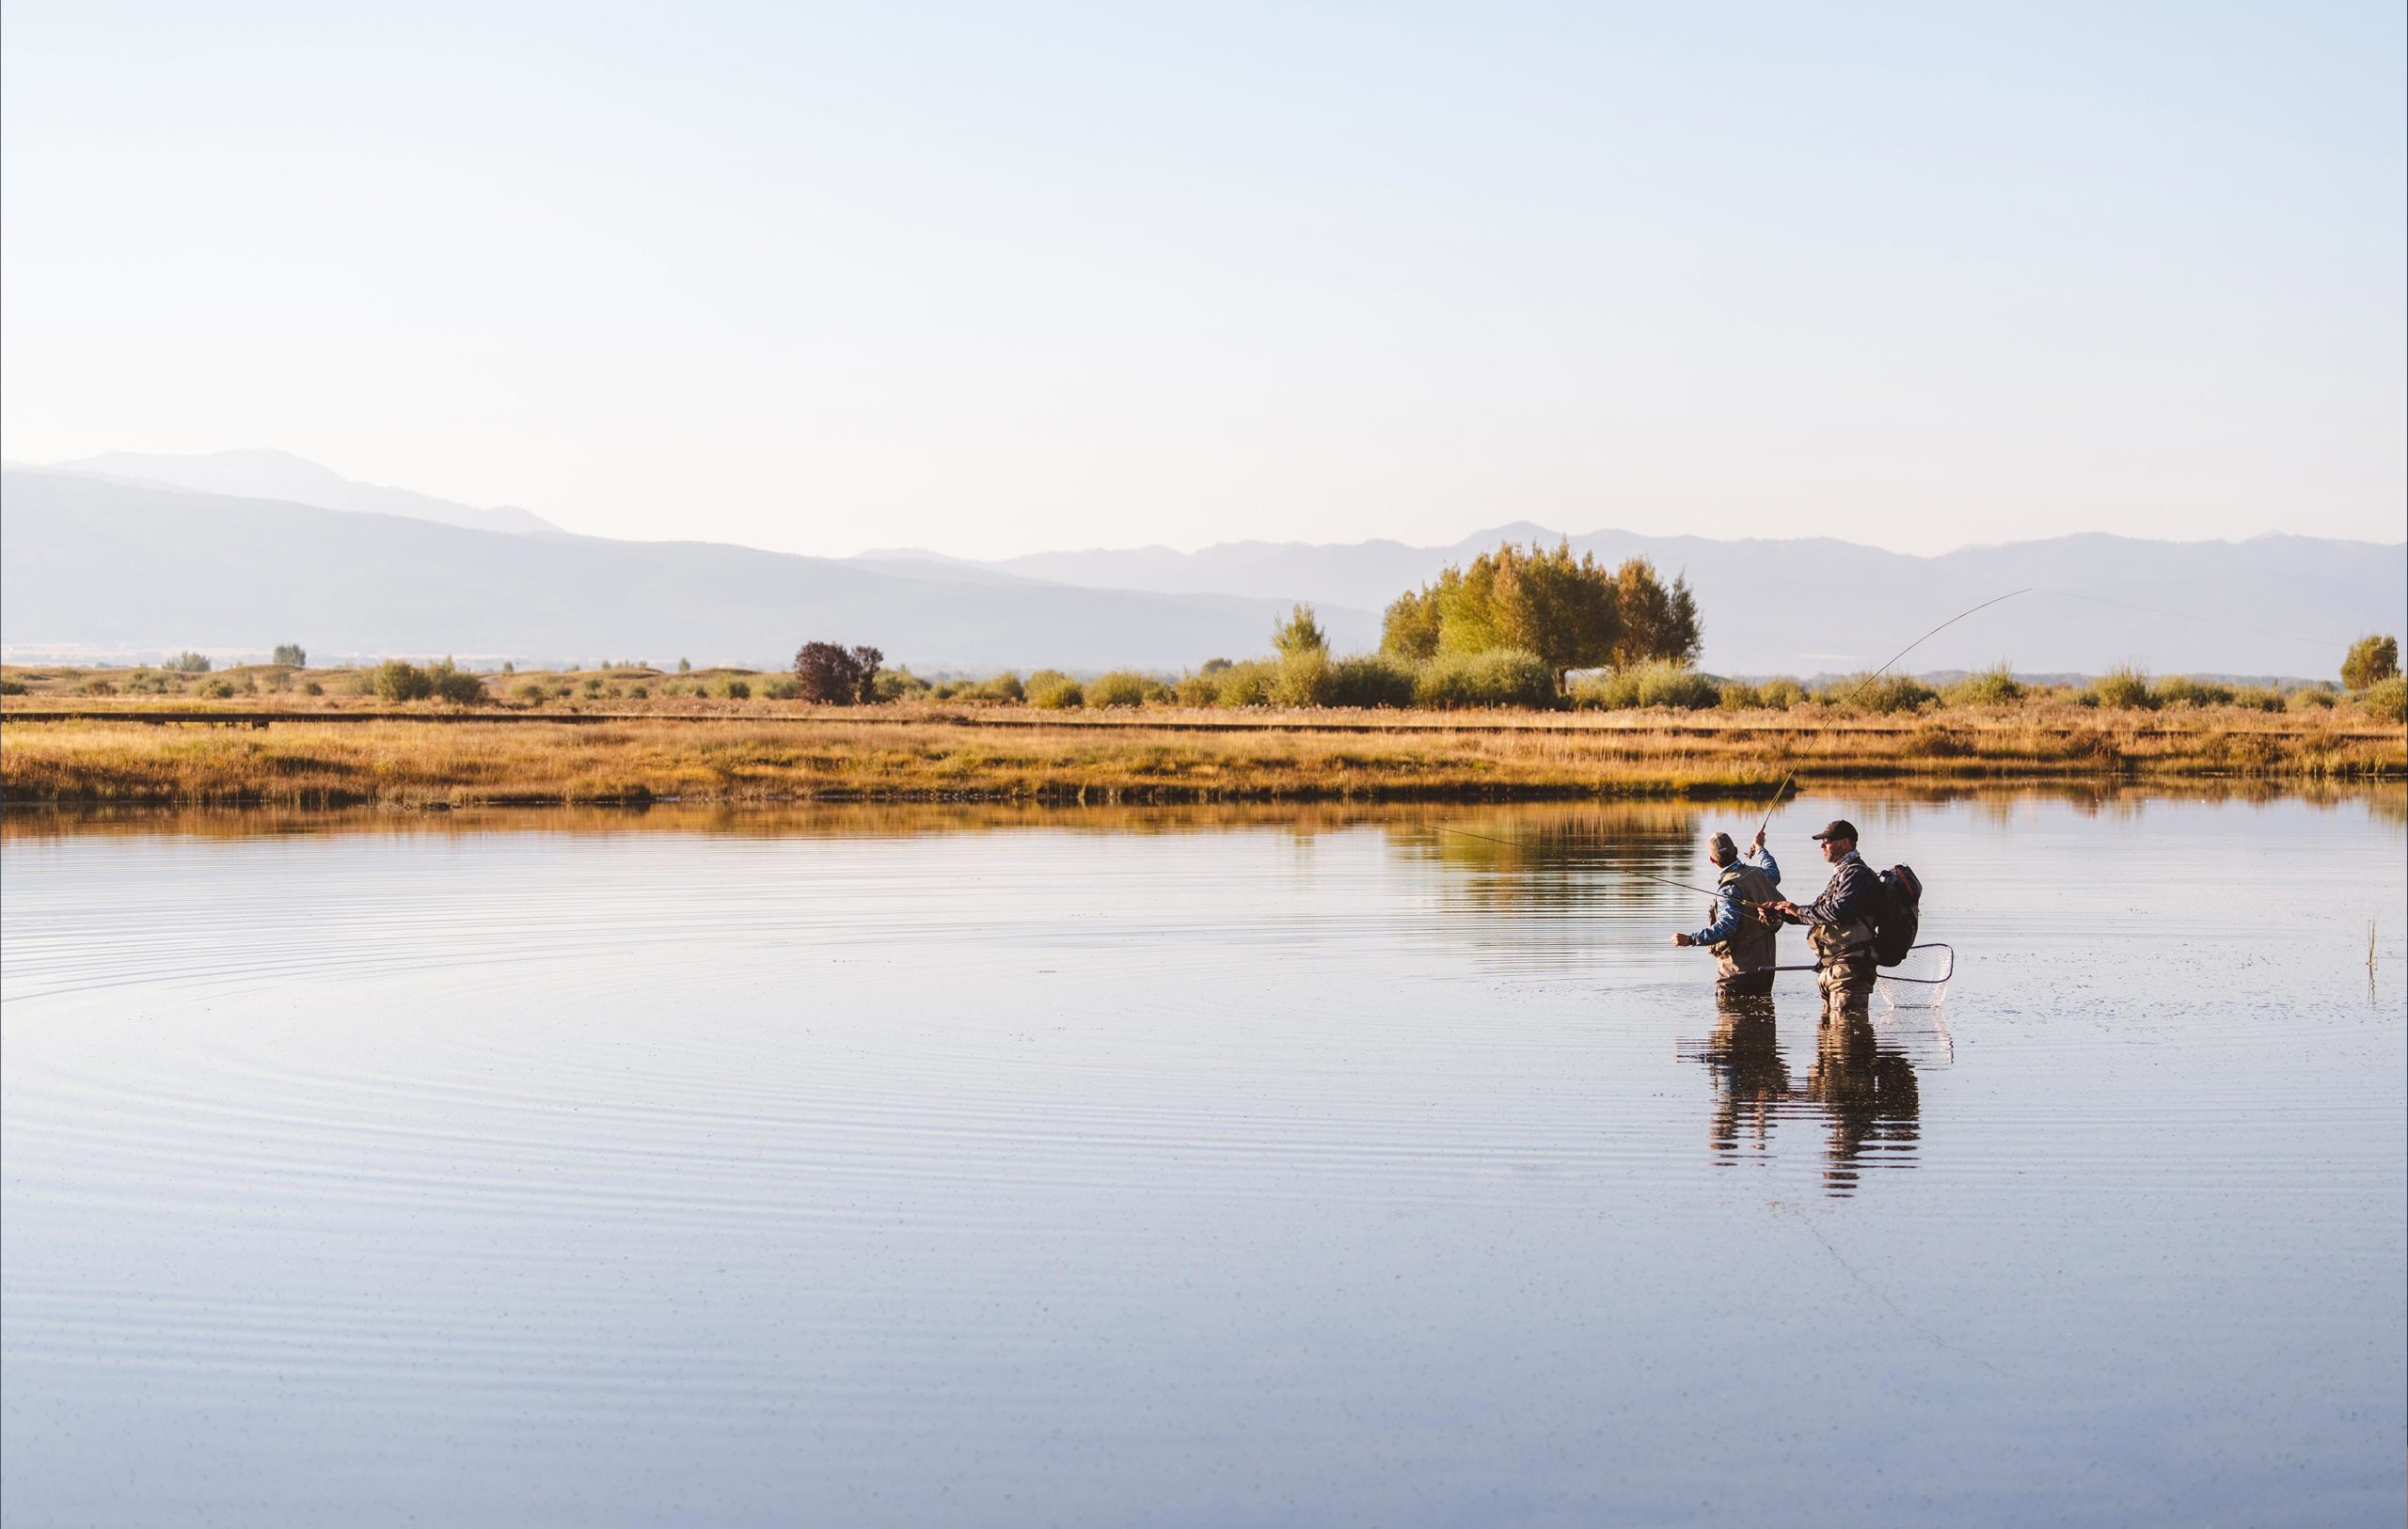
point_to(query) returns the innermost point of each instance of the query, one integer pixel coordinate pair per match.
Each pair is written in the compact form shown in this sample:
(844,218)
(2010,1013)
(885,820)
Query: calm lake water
(992,1167)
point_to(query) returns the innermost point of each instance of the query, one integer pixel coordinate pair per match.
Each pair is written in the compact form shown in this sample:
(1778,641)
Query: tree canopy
(2370,659)
(1572,612)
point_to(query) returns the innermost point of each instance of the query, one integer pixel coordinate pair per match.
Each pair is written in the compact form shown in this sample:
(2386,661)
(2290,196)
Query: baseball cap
(1839,827)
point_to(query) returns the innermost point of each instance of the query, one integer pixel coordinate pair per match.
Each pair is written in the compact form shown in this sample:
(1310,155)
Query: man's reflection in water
(1749,1078)
(1867,1091)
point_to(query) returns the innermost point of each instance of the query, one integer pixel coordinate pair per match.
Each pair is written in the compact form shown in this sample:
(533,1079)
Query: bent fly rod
(1857,688)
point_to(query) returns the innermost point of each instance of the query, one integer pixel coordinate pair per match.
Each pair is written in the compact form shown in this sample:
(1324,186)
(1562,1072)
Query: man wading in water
(1839,923)
(1741,936)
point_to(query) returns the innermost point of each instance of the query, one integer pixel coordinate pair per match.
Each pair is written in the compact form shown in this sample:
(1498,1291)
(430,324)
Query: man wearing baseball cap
(1741,936)
(1839,923)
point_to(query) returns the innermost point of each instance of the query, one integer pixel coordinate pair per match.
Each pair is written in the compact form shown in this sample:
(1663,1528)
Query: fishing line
(1858,688)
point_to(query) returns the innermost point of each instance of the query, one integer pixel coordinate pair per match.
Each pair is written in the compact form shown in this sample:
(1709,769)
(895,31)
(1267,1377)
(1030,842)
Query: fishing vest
(1834,943)
(1749,947)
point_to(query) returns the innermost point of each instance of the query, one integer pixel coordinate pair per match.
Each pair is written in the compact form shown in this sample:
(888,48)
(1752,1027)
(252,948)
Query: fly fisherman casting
(1840,923)
(1742,936)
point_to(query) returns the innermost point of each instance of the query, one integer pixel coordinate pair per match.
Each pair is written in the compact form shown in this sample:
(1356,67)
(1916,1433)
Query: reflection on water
(1861,1084)
(1008,1165)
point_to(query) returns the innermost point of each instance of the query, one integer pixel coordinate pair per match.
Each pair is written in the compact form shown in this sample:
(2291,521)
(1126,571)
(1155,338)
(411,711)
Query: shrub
(292,655)
(1371,681)
(456,686)
(12,687)
(1888,694)
(685,665)
(1005,687)
(2125,689)
(593,686)
(1121,687)
(97,686)
(1659,682)
(899,685)
(639,692)
(394,680)
(2386,700)
(2182,690)
(1993,687)
(218,690)
(2372,660)
(532,692)
(827,675)
(1055,690)
(1247,683)
(1301,678)
(1781,694)
(2310,698)
(1737,696)
(2257,697)
(188,662)
(1199,689)
(1500,677)
(737,690)
(780,687)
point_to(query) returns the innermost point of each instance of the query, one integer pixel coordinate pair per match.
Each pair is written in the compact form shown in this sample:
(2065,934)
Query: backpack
(1900,917)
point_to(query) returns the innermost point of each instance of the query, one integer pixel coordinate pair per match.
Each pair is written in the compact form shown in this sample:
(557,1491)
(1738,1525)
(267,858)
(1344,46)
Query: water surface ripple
(1196,1169)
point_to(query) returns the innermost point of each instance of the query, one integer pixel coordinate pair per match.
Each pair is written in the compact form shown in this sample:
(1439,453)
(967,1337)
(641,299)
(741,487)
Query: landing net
(1919,980)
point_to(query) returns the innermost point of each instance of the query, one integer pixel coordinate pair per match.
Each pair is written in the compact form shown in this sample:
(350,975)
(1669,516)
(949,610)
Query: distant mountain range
(281,475)
(95,562)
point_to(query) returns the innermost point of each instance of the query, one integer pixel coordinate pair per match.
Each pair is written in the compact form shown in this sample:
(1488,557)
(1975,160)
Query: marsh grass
(1129,755)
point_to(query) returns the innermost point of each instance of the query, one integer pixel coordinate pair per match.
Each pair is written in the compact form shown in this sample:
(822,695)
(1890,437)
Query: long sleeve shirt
(1854,892)
(1727,911)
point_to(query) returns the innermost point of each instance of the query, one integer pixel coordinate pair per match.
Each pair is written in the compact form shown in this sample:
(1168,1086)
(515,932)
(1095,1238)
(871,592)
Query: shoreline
(329,757)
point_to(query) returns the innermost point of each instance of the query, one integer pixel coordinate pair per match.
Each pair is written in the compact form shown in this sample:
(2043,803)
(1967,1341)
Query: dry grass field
(331,751)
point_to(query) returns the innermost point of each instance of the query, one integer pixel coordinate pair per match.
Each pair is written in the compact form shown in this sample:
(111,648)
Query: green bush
(1004,686)
(1247,683)
(394,680)
(1371,681)
(737,690)
(1737,696)
(1055,690)
(188,662)
(898,685)
(2386,700)
(1659,683)
(313,688)
(1121,687)
(532,692)
(780,687)
(2182,690)
(2257,697)
(12,687)
(1199,689)
(1886,695)
(2310,698)
(2124,689)
(1781,694)
(1300,678)
(456,686)
(1500,677)
(1993,687)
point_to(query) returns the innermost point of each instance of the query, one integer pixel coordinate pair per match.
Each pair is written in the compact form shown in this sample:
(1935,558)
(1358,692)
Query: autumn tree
(2370,658)
(829,676)
(1571,613)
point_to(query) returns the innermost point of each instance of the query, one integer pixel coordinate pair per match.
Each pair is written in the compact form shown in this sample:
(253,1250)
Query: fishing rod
(1857,688)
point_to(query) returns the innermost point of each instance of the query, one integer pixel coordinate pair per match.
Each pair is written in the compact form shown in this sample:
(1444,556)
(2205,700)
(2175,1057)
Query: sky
(992,280)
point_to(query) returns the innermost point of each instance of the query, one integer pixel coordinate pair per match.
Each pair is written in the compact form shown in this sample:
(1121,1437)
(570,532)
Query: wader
(1844,964)
(1743,964)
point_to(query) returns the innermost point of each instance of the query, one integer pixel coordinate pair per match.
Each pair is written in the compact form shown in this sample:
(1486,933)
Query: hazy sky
(994,278)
